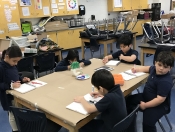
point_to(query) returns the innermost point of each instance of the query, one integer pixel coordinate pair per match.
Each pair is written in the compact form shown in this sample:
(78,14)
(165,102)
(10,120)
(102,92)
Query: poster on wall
(25,3)
(72,5)
(38,4)
(117,3)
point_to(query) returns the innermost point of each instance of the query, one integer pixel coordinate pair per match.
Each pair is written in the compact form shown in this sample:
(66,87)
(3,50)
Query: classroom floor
(5,127)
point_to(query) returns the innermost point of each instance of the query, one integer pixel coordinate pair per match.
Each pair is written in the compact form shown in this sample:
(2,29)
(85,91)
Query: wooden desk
(62,87)
(105,42)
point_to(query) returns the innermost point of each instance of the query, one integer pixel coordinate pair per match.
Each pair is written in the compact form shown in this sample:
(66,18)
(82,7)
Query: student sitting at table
(72,56)
(154,99)
(112,105)
(126,54)
(10,79)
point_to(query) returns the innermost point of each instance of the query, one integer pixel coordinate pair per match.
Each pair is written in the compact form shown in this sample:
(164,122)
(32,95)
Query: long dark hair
(72,54)
(12,52)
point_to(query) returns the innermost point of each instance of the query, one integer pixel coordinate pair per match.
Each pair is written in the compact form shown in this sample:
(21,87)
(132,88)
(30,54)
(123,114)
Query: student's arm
(110,57)
(128,58)
(84,63)
(90,108)
(3,86)
(145,69)
(153,103)
(62,66)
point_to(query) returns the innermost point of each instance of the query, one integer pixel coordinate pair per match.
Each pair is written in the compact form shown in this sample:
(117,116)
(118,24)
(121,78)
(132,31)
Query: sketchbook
(104,67)
(128,75)
(112,63)
(26,87)
(78,107)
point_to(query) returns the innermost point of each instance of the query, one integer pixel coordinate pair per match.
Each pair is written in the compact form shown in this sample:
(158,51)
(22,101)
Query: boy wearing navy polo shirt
(112,105)
(126,54)
(154,99)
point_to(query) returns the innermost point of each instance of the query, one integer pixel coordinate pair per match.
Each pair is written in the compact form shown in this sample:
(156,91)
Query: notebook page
(137,73)
(37,83)
(24,88)
(112,63)
(127,77)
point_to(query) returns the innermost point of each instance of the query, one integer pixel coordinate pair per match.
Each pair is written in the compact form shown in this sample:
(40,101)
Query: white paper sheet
(25,11)
(54,11)
(61,4)
(112,63)
(46,10)
(54,6)
(60,0)
(53,1)
(13,26)
(117,3)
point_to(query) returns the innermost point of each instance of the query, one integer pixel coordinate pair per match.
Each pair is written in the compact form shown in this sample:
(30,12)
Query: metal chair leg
(138,90)
(100,52)
(161,126)
(166,117)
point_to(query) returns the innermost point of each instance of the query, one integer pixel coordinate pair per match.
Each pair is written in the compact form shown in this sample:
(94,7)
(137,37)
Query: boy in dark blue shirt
(112,105)
(154,99)
(71,57)
(126,54)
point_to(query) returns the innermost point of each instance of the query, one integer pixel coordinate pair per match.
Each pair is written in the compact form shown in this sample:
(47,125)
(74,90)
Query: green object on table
(75,65)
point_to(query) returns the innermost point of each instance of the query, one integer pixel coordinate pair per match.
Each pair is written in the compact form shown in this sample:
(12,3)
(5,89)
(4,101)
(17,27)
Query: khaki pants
(12,120)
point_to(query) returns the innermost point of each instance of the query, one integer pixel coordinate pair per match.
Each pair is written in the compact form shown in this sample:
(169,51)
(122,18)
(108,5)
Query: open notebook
(26,87)
(78,106)
(128,75)
(112,63)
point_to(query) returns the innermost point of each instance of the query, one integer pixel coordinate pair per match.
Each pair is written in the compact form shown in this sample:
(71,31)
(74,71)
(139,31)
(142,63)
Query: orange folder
(118,79)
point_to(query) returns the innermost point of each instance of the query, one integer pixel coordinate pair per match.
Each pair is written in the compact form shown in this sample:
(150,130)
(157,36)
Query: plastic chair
(28,120)
(123,125)
(25,64)
(45,62)
(94,46)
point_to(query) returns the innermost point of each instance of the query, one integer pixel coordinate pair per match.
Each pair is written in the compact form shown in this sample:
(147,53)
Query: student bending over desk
(10,79)
(154,99)
(112,105)
(71,57)
(126,54)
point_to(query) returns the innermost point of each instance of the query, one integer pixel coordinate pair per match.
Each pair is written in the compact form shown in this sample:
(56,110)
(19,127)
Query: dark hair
(12,52)
(104,79)
(126,39)
(72,54)
(166,58)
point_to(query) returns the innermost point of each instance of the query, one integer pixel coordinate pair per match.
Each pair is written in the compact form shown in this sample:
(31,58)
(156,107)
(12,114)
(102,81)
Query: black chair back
(29,121)
(94,46)
(25,64)
(124,124)
(45,62)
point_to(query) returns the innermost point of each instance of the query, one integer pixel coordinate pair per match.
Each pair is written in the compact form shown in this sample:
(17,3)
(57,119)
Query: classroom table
(105,42)
(148,49)
(60,90)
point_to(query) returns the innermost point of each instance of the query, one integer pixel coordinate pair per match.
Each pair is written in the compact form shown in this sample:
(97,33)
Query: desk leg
(60,55)
(134,41)
(105,50)
(142,57)
(111,47)
(82,49)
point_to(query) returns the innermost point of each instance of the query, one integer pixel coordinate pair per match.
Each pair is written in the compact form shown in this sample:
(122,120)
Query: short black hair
(12,52)
(125,39)
(166,58)
(72,54)
(104,79)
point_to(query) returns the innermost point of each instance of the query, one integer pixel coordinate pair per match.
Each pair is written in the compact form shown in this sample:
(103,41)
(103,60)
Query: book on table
(104,67)
(26,87)
(78,107)
(112,63)
(128,75)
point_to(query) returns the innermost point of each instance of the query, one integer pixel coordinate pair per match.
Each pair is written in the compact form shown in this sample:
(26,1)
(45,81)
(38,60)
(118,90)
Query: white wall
(97,8)
(165,4)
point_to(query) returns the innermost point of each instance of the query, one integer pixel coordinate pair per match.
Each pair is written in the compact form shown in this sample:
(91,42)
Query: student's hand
(96,94)
(81,64)
(16,84)
(78,99)
(142,105)
(134,69)
(68,67)
(121,56)
(105,59)
(26,79)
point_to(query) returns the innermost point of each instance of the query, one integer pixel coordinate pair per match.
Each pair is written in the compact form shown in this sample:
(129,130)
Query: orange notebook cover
(118,79)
